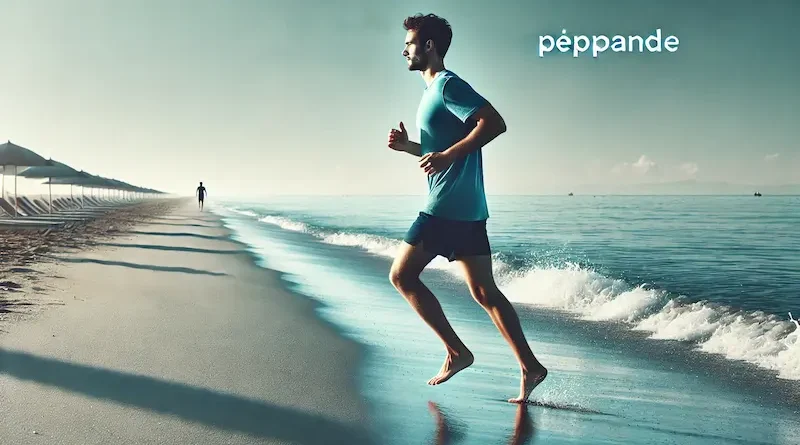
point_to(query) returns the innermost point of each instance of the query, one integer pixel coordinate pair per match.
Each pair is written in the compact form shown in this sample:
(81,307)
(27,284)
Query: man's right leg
(404,275)
(479,275)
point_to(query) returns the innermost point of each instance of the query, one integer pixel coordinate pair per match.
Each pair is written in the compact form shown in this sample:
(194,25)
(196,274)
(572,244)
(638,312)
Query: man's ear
(428,45)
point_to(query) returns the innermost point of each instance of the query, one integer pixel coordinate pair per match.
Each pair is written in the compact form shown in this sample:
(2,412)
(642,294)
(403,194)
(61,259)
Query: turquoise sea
(662,319)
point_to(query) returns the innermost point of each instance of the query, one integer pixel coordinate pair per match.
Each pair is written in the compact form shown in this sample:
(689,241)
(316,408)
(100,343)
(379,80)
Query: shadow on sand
(143,266)
(178,234)
(191,403)
(183,218)
(174,248)
(207,226)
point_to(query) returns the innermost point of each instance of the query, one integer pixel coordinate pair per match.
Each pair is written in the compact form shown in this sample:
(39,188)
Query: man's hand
(435,162)
(398,139)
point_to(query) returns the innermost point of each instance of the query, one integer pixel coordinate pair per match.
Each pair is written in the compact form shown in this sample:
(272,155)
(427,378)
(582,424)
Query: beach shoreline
(138,346)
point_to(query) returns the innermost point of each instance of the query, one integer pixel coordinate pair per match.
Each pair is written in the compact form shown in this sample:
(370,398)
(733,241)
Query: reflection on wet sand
(447,433)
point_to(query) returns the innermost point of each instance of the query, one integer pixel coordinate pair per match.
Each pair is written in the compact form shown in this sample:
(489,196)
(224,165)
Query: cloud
(771,157)
(644,165)
(646,170)
(641,167)
(689,168)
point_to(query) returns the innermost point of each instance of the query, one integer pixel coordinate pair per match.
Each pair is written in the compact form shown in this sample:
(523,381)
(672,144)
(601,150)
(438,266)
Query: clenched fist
(398,139)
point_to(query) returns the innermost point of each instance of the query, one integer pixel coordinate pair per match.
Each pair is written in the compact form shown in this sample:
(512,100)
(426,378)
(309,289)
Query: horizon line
(286,195)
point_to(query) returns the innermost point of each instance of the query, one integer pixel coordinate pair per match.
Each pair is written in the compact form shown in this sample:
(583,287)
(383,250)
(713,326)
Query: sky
(267,97)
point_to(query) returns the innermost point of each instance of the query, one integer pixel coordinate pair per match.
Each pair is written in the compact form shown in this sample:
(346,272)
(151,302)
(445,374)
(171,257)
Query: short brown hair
(431,27)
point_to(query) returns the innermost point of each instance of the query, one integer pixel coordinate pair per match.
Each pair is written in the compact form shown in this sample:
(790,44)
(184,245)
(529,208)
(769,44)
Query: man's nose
(405,53)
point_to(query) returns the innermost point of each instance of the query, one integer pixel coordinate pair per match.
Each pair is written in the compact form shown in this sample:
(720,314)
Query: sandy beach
(152,326)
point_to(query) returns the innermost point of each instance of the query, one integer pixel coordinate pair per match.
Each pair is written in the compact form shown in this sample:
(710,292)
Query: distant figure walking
(796,323)
(201,195)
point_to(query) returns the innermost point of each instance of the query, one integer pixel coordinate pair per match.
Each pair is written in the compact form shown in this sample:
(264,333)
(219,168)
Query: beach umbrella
(69,180)
(121,185)
(106,184)
(16,156)
(83,179)
(55,170)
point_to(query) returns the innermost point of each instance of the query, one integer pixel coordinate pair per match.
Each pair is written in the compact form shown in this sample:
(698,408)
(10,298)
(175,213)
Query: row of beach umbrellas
(21,161)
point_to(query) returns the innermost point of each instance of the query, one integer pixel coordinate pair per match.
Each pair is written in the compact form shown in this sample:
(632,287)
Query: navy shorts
(449,238)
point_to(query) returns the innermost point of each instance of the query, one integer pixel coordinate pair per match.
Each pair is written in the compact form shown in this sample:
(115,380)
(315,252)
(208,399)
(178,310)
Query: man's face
(414,52)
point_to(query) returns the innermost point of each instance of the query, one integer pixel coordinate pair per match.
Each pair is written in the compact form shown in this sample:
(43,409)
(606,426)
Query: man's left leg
(480,279)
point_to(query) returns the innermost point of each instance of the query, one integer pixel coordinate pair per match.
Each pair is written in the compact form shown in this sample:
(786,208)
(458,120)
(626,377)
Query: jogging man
(201,195)
(455,123)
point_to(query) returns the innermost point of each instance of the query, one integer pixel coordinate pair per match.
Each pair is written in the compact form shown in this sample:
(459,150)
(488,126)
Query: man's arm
(413,148)
(399,141)
(488,125)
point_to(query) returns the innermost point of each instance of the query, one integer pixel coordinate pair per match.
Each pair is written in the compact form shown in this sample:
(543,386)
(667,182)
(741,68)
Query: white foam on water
(374,244)
(584,292)
(754,337)
(285,223)
(240,212)
(677,321)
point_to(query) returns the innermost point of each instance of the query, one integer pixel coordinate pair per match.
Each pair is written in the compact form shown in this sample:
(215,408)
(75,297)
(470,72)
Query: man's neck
(430,72)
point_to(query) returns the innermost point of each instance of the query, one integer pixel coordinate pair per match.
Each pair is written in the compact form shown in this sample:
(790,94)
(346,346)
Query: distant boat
(570,194)
(756,194)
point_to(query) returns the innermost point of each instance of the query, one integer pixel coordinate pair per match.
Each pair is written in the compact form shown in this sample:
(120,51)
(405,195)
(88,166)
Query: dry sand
(26,254)
(166,332)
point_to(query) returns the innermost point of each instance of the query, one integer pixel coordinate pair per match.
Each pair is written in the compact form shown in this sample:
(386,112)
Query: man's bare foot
(529,381)
(452,365)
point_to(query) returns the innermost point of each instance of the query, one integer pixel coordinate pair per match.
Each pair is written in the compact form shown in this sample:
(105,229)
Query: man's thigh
(477,270)
(411,260)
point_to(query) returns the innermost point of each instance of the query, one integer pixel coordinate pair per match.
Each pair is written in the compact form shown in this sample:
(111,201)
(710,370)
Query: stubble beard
(417,64)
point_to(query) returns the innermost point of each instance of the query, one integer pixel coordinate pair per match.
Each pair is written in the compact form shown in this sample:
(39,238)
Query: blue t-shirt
(457,192)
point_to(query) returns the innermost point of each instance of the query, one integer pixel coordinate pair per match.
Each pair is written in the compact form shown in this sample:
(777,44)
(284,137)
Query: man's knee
(486,295)
(408,266)
(396,277)
(401,278)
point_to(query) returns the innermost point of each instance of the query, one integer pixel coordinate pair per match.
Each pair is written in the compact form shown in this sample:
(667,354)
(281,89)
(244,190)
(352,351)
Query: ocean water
(661,319)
